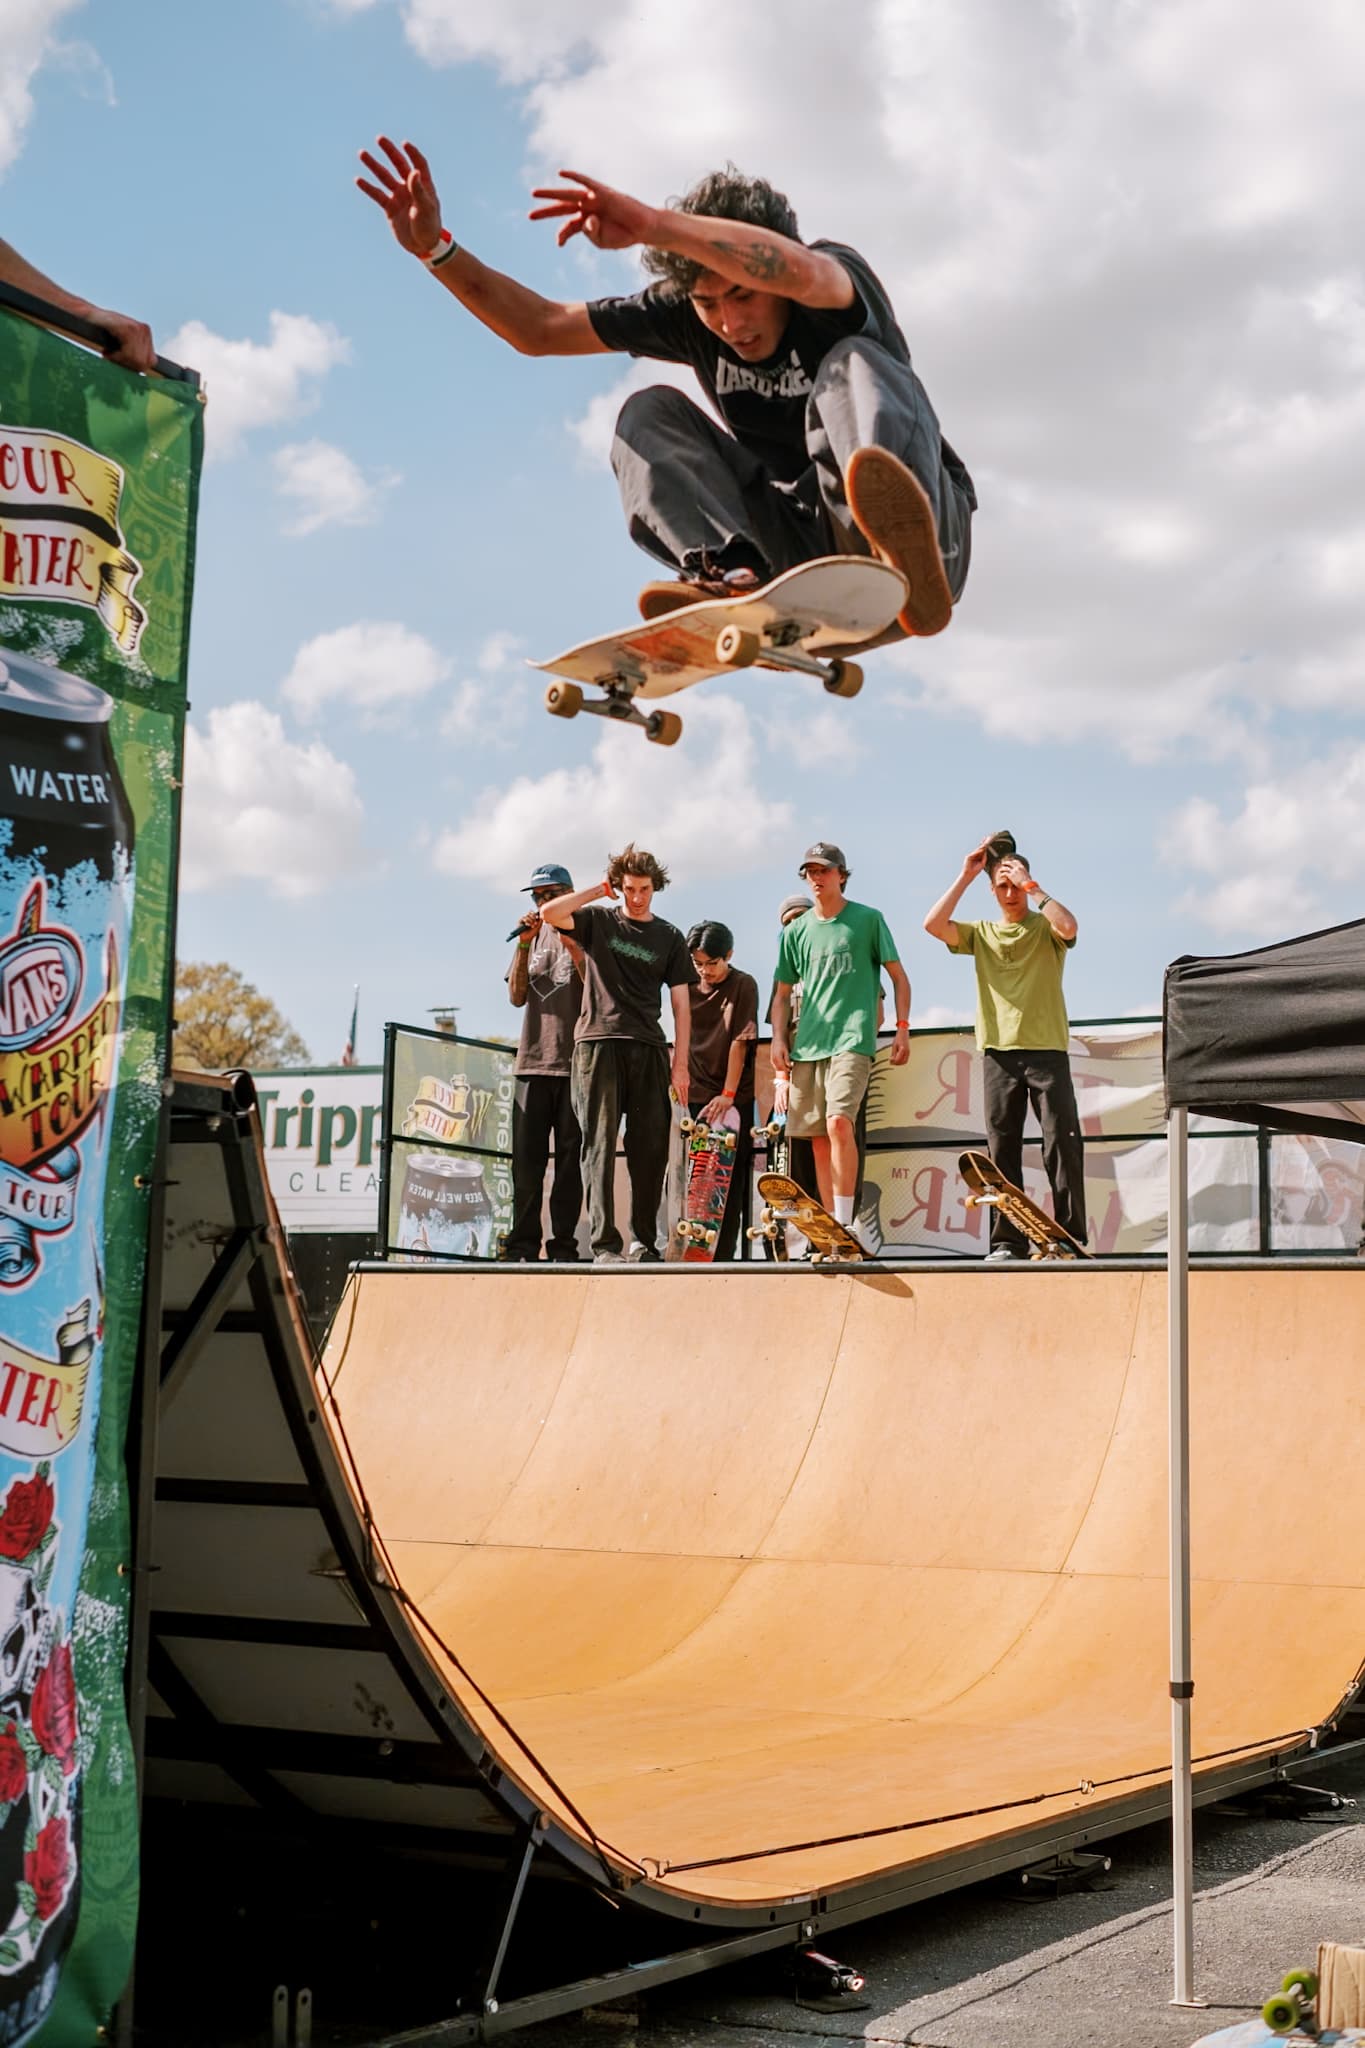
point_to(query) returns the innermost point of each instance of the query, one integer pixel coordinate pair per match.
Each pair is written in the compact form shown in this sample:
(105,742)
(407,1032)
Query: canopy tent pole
(1182,1683)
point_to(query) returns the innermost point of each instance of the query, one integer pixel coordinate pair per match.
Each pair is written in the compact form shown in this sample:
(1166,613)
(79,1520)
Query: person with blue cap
(545,982)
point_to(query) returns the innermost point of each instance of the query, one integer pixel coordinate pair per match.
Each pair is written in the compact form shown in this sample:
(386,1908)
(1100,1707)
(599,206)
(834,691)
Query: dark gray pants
(615,1078)
(1013,1081)
(691,493)
(542,1108)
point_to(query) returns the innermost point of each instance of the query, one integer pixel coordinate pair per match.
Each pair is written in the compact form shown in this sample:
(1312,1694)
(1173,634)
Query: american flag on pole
(348,1051)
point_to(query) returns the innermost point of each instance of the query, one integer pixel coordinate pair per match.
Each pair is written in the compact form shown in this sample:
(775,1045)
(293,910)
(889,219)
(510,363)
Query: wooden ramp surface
(786,1580)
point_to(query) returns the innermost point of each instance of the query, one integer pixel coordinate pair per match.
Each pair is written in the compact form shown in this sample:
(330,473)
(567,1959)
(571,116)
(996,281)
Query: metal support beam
(220,1283)
(1182,1680)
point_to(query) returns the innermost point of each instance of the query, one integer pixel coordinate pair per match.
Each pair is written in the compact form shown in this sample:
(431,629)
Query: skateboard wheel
(845,679)
(663,727)
(687,1123)
(1281,2013)
(1302,1983)
(564,700)
(736,648)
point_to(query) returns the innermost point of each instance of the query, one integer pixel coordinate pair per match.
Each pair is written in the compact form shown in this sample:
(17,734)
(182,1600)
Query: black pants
(615,1078)
(743,1173)
(1013,1081)
(689,490)
(542,1108)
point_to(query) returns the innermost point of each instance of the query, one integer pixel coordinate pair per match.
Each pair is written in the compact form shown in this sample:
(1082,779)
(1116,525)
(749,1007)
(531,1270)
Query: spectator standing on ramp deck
(1021,1028)
(721,1056)
(836,952)
(545,982)
(620,1057)
(829,443)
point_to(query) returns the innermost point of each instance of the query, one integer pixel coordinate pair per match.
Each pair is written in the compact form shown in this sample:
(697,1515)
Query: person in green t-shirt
(836,952)
(1021,1028)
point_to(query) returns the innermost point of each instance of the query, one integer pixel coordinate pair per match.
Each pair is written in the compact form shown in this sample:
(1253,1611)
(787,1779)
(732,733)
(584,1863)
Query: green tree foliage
(223,1022)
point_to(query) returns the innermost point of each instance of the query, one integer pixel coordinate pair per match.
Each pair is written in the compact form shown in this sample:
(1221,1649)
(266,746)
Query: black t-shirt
(763,404)
(720,1014)
(554,996)
(626,965)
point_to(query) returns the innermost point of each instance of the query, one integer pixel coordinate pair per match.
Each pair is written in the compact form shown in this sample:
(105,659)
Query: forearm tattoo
(765,261)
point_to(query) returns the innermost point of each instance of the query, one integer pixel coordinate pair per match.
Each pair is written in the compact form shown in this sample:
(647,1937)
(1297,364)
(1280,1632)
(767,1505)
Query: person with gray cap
(836,952)
(545,982)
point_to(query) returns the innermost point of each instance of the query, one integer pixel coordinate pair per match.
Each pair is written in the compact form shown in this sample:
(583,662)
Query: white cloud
(1125,245)
(376,666)
(816,731)
(489,707)
(326,487)
(258,808)
(595,427)
(252,384)
(934,1016)
(630,789)
(28,40)
(1268,863)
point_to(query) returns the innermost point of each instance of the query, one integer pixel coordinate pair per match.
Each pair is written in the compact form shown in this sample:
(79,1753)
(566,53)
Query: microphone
(515,933)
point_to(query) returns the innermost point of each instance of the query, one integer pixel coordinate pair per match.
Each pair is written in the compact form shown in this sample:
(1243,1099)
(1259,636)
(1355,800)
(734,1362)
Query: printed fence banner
(923,1115)
(99,474)
(322,1129)
(447,1144)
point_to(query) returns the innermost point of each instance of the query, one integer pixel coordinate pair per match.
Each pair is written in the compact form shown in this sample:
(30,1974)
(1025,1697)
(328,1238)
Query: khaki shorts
(824,1088)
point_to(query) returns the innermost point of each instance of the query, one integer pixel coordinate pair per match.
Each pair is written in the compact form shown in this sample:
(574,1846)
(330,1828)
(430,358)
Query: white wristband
(442,253)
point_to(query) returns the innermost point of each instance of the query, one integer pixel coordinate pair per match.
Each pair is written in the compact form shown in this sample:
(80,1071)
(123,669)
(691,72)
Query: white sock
(843,1209)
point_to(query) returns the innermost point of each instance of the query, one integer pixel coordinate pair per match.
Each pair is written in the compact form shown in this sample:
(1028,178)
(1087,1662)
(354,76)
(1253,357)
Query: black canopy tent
(1273,1037)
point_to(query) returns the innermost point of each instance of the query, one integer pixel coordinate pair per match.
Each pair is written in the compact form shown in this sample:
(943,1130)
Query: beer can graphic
(445,1211)
(66,885)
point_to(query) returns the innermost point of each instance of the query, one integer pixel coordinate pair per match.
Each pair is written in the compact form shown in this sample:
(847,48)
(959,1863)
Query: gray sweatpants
(693,496)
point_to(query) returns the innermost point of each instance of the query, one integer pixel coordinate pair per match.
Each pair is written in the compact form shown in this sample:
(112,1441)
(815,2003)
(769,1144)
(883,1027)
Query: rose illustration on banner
(39,1726)
(47,1867)
(26,1516)
(13,1768)
(54,1708)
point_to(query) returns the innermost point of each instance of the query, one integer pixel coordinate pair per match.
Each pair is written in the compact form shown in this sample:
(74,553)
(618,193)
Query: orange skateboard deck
(791,623)
(787,1202)
(993,1191)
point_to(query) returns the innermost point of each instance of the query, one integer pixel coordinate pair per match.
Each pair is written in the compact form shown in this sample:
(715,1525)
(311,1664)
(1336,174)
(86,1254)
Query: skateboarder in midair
(829,444)
(1022,1032)
(620,1059)
(836,952)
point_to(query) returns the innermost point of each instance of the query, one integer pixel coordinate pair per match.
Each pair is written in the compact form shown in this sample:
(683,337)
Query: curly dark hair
(727,195)
(633,860)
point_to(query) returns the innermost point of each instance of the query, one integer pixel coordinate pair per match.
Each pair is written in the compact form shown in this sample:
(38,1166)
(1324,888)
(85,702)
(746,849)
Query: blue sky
(1124,244)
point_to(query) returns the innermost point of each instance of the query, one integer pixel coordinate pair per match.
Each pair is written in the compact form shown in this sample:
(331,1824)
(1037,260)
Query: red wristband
(902,1023)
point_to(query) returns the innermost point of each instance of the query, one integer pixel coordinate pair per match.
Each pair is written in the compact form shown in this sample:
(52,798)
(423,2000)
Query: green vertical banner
(99,473)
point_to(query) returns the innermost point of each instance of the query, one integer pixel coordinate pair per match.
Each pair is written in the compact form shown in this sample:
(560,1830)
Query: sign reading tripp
(60,538)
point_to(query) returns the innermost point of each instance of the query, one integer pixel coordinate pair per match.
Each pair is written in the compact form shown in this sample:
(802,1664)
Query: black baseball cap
(824,854)
(549,876)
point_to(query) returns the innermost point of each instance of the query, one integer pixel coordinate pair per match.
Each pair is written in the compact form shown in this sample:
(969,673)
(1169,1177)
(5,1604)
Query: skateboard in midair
(991,1190)
(709,1169)
(784,1202)
(791,623)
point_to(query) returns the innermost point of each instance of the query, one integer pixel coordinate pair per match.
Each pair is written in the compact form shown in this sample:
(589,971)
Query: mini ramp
(760,1601)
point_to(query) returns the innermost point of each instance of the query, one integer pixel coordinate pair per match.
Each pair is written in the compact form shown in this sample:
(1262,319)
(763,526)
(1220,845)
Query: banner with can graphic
(447,1165)
(99,477)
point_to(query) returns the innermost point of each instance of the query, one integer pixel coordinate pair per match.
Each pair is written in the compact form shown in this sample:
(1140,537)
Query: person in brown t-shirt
(545,982)
(721,1056)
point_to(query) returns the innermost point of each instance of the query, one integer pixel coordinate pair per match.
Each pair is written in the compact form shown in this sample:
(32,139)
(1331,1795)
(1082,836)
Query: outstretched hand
(405,193)
(609,219)
(132,339)
(975,862)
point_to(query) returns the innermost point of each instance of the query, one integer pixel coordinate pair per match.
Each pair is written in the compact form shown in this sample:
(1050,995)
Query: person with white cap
(545,982)
(836,952)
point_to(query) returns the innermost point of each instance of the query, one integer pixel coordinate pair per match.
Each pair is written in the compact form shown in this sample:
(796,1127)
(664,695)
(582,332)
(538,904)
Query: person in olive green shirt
(1021,1028)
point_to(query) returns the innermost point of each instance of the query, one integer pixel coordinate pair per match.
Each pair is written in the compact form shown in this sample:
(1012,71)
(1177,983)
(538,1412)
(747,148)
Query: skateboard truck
(780,648)
(566,700)
(1075,1870)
